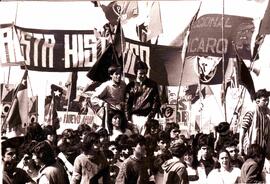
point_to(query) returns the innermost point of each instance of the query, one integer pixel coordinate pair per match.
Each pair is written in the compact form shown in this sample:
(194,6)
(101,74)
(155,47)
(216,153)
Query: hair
(139,65)
(138,139)
(170,126)
(114,68)
(44,153)
(102,132)
(34,132)
(49,130)
(262,93)
(82,128)
(162,135)
(254,151)
(190,151)
(88,140)
(123,122)
(151,123)
(178,148)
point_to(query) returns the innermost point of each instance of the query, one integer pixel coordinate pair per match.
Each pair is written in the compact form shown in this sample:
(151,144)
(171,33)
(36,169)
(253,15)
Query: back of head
(89,139)
(178,148)
(254,151)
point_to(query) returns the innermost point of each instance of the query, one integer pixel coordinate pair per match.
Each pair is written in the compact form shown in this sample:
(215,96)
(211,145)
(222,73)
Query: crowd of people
(132,147)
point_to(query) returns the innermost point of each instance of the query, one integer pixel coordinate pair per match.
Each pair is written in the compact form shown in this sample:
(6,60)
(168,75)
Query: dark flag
(71,85)
(17,117)
(112,12)
(245,78)
(119,40)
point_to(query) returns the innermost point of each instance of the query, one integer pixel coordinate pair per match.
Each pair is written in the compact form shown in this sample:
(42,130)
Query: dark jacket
(142,99)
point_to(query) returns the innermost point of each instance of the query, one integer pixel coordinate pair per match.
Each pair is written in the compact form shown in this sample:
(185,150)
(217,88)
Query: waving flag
(17,117)
(155,24)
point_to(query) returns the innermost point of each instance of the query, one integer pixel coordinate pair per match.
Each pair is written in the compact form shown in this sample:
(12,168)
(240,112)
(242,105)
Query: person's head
(255,152)
(91,143)
(190,157)
(9,157)
(115,73)
(139,146)
(103,135)
(223,128)
(152,126)
(69,136)
(233,150)
(224,159)
(173,130)
(83,129)
(113,147)
(43,154)
(140,69)
(34,132)
(119,121)
(163,141)
(205,147)
(262,98)
(50,133)
(178,148)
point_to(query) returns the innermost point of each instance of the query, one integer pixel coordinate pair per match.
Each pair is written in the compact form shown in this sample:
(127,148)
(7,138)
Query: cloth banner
(206,36)
(10,52)
(164,62)
(60,50)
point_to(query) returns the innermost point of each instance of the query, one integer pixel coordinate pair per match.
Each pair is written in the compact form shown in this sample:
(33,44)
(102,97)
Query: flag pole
(223,98)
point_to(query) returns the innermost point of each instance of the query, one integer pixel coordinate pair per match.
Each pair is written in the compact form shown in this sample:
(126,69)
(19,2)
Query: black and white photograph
(135,92)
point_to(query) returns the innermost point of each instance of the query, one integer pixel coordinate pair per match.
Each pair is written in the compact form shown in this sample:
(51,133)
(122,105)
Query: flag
(164,63)
(155,24)
(129,9)
(141,31)
(71,85)
(59,94)
(119,42)
(33,109)
(17,117)
(265,23)
(7,92)
(99,71)
(183,36)
(50,111)
(245,77)
(112,12)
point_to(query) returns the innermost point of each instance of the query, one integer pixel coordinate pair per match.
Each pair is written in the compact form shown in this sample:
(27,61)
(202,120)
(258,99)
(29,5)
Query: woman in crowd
(251,171)
(226,173)
(119,126)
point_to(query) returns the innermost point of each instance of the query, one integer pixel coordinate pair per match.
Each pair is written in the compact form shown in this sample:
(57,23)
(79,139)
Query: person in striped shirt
(255,127)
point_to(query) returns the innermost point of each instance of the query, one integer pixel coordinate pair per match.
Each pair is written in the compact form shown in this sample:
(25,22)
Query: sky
(81,16)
